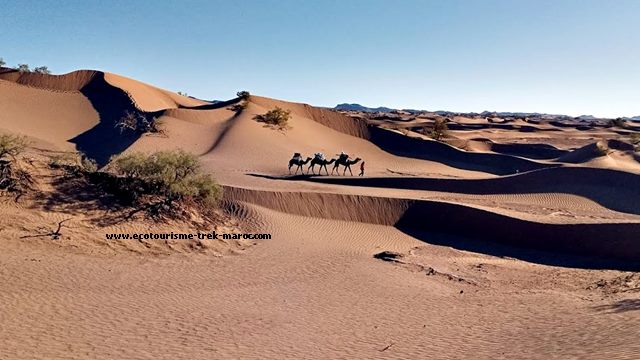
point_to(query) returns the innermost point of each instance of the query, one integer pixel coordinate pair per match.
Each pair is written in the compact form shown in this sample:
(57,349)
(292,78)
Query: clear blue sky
(573,57)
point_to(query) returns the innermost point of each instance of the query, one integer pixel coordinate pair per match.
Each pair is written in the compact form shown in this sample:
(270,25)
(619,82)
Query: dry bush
(163,181)
(12,177)
(277,117)
(73,163)
(138,122)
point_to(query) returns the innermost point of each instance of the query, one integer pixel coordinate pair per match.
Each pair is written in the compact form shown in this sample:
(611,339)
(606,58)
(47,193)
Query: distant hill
(358,107)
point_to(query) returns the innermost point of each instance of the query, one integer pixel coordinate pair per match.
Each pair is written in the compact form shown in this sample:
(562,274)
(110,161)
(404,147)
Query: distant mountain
(358,107)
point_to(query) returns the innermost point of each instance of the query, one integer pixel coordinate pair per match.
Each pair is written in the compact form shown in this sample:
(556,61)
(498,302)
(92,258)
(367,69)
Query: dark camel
(299,162)
(323,164)
(344,161)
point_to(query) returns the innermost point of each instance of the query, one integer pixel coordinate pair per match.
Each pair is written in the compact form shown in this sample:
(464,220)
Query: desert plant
(11,146)
(73,163)
(244,95)
(276,117)
(12,177)
(182,93)
(23,68)
(2,63)
(635,140)
(618,122)
(41,70)
(439,129)
(138,122)
(164,179)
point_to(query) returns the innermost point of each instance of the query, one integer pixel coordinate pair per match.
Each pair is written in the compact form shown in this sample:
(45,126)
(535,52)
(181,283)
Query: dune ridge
(616,241)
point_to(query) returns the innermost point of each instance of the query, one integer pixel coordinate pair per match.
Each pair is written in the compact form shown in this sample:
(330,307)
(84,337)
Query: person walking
(361,169)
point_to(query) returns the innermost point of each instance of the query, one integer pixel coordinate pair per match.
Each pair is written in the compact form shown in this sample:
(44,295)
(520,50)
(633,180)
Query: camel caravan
(319,159)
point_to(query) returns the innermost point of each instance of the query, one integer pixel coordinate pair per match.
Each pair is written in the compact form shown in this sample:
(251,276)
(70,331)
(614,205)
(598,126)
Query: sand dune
(518,246)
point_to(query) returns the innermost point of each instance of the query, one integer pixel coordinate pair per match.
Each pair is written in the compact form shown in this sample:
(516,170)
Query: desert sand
(508,239)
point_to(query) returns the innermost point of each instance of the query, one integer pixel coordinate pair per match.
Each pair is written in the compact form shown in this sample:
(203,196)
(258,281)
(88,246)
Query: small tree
(439,129)
(244,95)
(277,117)
(169,177)
(42,70)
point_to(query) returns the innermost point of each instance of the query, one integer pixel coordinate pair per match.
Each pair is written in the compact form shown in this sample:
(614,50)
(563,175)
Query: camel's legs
(325,169)
(345,170)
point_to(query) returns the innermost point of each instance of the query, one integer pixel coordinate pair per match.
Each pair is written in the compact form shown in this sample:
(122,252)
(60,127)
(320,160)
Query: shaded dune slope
(401,145)
(606,241)
(616,190)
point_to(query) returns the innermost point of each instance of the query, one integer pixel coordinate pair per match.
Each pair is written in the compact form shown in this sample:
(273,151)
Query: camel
(323,164)
(298,161)
(344,161)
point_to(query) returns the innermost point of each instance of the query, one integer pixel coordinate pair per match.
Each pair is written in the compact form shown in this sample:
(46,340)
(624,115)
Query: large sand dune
(514,243)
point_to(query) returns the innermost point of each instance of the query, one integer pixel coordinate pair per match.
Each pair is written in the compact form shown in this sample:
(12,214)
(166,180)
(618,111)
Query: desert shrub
(163,180)
(2,63)
(439,129)
(182,93)
(618,122)
(244,95)
(41,70)
(23,68)
(12,177)
(73,163)
(635,140)
(11,146)
(138,122)
(277,117)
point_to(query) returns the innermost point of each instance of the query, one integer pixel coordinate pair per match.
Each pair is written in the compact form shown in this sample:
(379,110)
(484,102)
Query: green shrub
(439,129)
(277,117)
(244,95)
(166,177)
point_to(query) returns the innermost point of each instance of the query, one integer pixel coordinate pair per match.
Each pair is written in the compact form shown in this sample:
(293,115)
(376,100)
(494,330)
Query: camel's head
(356,160)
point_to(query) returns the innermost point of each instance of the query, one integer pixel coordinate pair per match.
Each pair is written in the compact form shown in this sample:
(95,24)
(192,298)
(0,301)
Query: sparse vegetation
(182,93)
(618,122)
(439,129)
(73,163)
(12,177)
(138,122)
(635,140)
(23,68)
(277,117)
(2,63)
(42,70)
(163,181)
(244,95)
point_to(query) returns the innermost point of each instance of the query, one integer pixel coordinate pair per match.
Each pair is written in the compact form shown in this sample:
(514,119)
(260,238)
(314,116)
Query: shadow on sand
(105,140)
